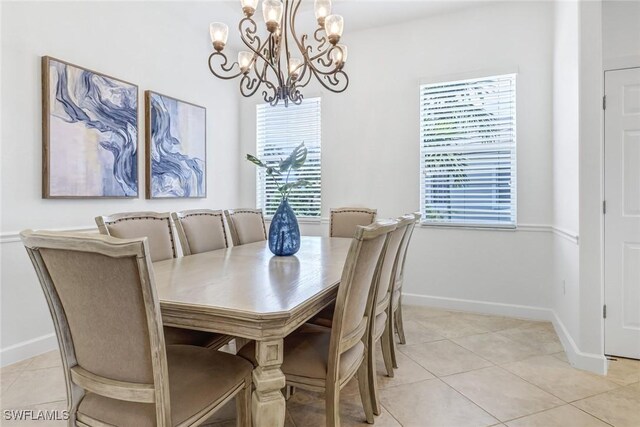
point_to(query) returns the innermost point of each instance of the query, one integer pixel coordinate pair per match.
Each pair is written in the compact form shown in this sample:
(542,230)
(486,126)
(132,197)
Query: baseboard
(26,349)
(587,361)
(578,359)
(483,307)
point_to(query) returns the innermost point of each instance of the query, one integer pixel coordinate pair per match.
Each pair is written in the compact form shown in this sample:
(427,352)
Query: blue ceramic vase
(284,233)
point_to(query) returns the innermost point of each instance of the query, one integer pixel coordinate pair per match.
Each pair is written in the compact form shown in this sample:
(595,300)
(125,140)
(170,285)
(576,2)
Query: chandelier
(283,62)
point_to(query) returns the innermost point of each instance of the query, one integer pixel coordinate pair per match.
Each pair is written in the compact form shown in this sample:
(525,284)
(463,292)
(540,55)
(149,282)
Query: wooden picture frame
(175,134)
(89,133)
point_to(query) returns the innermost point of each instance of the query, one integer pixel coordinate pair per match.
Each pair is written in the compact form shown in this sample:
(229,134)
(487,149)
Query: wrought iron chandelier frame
(282,80)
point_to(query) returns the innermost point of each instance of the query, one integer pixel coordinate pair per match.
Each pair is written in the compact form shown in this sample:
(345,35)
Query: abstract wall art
(89,133)
(175,148)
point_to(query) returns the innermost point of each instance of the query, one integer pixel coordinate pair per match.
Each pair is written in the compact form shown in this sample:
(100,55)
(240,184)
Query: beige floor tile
(35,387)
(416,312)
(620,407)
(562,416)
(624,371)
(559,378)
(496,323)
(432,403)
(452,326)
(30,414)
(444,357)
(16,367)
(539,335)
(308,409)
(561,355)
(415,333)
(7,379)
(502,394)
(408,372)
(46,360)
(496,348)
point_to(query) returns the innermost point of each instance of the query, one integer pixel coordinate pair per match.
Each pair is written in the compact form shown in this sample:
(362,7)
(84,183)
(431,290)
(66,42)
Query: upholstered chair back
(358,287)
(200,230)
(106,315)
(343,221)
(391,262)
(246,226)
(156,227)
(399,273)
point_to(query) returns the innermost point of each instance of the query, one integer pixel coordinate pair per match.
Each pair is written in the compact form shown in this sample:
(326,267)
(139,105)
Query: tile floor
(457,370)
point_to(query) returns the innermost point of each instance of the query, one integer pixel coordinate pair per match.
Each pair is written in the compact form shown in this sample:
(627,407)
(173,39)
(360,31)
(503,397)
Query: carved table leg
(267,403)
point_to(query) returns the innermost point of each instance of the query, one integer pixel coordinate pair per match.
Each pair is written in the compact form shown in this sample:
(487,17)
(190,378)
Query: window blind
(279,130)
(468,152)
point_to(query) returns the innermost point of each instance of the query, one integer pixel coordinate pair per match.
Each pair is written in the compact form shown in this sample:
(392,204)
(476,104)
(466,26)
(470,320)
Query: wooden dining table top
(247,291)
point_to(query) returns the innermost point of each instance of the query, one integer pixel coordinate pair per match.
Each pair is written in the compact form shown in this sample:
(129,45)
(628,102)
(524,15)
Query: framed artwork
(89,133)
(176,153)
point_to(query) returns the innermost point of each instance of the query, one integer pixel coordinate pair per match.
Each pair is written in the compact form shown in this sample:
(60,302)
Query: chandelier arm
(249,44)
(250,84)
(322,40)
(273,100)
(222,66)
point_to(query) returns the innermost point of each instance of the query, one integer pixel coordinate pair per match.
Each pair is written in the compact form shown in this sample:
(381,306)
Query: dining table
(245,291)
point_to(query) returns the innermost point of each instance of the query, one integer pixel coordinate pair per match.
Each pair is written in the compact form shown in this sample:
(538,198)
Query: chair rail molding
(14,236)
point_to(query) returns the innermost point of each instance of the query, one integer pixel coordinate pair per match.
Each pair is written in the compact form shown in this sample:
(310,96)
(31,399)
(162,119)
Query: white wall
(370,149)
(161,46)
(590,175)
(620,34)
(565,289)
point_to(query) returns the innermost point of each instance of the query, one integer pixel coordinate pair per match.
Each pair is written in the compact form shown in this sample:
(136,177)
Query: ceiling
(363,14)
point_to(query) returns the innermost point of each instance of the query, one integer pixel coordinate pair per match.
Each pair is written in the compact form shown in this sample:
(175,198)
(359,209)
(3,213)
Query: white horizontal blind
(279,130)
(468,152)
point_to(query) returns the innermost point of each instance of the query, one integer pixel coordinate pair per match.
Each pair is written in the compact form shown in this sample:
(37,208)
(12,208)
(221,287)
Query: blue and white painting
(91,133)
(176,144)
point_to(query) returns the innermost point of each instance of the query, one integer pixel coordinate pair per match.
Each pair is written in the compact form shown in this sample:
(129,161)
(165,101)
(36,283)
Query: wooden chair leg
(288,391)
(392,341)
(243,405)
(332,405)
(365,394)
(387,341)
(372,378)
(399,324)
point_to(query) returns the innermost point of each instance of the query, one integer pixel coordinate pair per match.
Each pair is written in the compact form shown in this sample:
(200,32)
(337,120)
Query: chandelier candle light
(283,62)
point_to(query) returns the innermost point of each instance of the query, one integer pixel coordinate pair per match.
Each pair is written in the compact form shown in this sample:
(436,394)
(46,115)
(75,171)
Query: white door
(622,218)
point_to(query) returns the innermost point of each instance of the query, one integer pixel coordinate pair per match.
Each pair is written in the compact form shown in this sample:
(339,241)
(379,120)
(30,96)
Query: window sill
(302,219)
(470,227)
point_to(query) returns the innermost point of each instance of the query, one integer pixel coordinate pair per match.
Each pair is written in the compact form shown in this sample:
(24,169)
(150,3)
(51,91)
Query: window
(468,152)
(279,130)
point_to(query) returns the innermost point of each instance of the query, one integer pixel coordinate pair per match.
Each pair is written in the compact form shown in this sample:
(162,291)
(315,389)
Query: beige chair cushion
(197,378)
(344,222)
(391,254)
(249,227)
(157,231)
(306,353)
(204,233)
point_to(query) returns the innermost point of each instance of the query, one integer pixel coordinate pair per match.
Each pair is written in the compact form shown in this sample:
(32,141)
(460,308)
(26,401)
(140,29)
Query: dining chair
(324,359)
(118,370)
(245,226)
(396,294)
(200,230)
(343,221)
(156,227)
(381,330)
